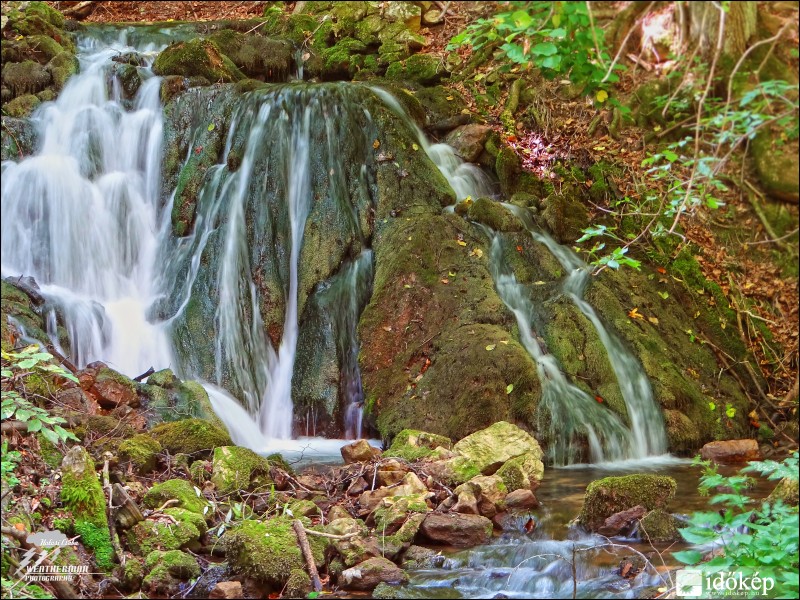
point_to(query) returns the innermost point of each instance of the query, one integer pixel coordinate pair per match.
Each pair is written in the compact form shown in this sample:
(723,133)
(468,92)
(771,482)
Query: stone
(731,451)
(359,451)
(390,472)
(227,590)
(468,140)
(786,490)
(190,436)
(658,526)
(453,529)
(411,444)
(522,473)
(366,576)
(411,485)
(141,451)
(521,500)
(166,570)
(611,495)
(467,501)
(236,469)
(111,389)
(622,522)
(489,448)
(337,512)
(776,164)
(492,489)
(392,512)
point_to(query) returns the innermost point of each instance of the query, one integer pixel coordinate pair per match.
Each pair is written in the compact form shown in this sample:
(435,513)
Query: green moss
(45,12)
(412,444)
(658,526)
(786,491)
(265,551)
(426,69)
(610,495)
(521,472)
(164,378)
(166,569)
(197,58)
(175,489)
(133,574)
(237,469)
(298,585)
(141,451)
(61,68)
(256,56)
(98,540)
(147,536)
(492,214)
(49,452)
(22,106)
(190,436)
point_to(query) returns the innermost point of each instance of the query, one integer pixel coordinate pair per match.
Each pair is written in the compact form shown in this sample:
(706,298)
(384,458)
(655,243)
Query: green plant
(750,535)
(17,366)
(8,462)
(558,38)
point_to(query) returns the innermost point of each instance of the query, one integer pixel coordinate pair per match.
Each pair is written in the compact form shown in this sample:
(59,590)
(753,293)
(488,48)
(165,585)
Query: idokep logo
(740,583)
(37,563)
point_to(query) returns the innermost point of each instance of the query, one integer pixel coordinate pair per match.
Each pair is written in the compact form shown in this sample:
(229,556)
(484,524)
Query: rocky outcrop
(607,498)
(459,530)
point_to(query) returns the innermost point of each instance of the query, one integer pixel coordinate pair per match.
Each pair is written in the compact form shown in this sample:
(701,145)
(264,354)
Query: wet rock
(359,451)
(227,590)
(452,529)
(468,140)
(658,526)
(522,473)
(190,436)
(731,451)
(611,495)
(521,499)
(412,444)
(196,58)
(391,472)
(622,522)
(489,448)
(467,501)
(366,575)
(425,69)
(418,557)
(786,490)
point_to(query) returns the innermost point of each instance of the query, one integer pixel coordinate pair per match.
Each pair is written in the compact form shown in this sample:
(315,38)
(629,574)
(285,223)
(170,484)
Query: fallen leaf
(653,320)
(445,281)
(414,147)
(376,144)
(635,314)
(519,248)
(599,399)
(509,388)
(661,270)
(387,328)
(462,243)
(477,252)
(491,347)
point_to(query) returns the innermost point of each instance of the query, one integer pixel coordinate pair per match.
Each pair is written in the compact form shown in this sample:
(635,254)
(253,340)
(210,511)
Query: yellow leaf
(477,252)
(599,148)
(407,286)
(449,97)
(602,96)
(409,238)
(387,328)
(415,147)
(504,342)
(539,283)
(465,111)
(376,144)
(491,347)
(653,320)
(635,314)
(462,243)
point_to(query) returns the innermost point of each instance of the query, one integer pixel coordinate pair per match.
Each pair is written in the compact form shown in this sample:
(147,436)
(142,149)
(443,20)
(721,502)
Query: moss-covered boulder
(612,495)
(197,58)
(18,139)
(167,399)
(393,511)
(190,436)
(777,165)
(490,448)
(176,489)
(258,57)
(658,526)
(426,69)
(166,571)
(18,306)
(412,444)
(171,529)
(112,389)
(83,498)
(367,575)
(492,214)
(236,470)
(141,451)
(267,551)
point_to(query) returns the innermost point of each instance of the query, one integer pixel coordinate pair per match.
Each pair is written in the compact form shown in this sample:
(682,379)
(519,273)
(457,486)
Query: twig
(62,359)
(144,375)
(332,536)
(300,531)
(594,34)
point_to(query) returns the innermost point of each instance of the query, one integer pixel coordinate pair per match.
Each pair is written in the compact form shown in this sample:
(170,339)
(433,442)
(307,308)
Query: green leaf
(544,49)
(28,363)
(51,436)
(551,62)
(688,557)
(211,127)
(509,388)
(34,425)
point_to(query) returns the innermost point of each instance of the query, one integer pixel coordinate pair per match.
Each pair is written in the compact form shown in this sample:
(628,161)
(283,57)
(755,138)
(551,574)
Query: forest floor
(736,249)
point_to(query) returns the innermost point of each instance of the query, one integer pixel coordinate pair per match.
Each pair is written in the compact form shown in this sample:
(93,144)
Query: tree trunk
(700,25)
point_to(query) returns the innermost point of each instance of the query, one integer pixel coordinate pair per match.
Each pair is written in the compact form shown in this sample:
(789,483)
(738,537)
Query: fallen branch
(112,525)
(144,375)
(300,531)
(331,536)
(61,588)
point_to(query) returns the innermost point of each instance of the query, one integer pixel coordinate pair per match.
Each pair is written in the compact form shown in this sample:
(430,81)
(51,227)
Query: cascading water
(571,412)
(81,216)
(647,433)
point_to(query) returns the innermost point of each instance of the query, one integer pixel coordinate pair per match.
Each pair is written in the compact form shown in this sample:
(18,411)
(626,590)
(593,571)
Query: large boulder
(728,452)
(412,444)
(359,451)
(611,495)
(141,452)
(468,140)
(489,448)
(236,469)
(190,436)
(522,473)
(197,58)
(460,530)
(777,166)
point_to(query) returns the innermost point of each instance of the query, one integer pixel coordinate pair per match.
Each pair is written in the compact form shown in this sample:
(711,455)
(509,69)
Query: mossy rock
(493,214)
(18,140)
(611,495)
(22,106)
(298,585)
(683,435)
(777,165)
(133,574)
(83,497)
(141,451)
(488,449)
(522,472)
(19,305)
(175,400)
(176,489)
(658,526)
(197,58)
(61,68)
(267,551)
(166,571)
(190,436)
(786,491)
(182,529)
(258,57)
(237,469)
(393,512)
(411,444)
(425,69)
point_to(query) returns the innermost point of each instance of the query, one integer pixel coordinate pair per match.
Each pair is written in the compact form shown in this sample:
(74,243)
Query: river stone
(611,495)
(658,526)
(411,485)
(489,448)
(365,576)
(731,451)
(468,140)
(392,512)
(467,501)
(622,522)
(453,529)
(786,490)
(359,451)
(112,389)
(227,590)
(521,500)
(522,473)
(391,472)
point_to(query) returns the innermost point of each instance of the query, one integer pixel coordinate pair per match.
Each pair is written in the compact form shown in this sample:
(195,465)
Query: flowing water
(647,433)
(81,216)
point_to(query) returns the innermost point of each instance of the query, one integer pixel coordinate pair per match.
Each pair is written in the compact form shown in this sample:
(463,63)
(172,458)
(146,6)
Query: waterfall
(81,215)
(647,433)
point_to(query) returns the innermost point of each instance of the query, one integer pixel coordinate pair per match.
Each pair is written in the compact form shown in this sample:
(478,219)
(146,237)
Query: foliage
(690,173)
(558,38)
(10,460)
(759,537)
(17,366)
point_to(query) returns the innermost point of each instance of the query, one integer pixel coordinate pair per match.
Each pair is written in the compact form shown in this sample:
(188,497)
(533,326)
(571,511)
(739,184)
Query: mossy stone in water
(493,215)
(611,495)
(197,57)
(658,526)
